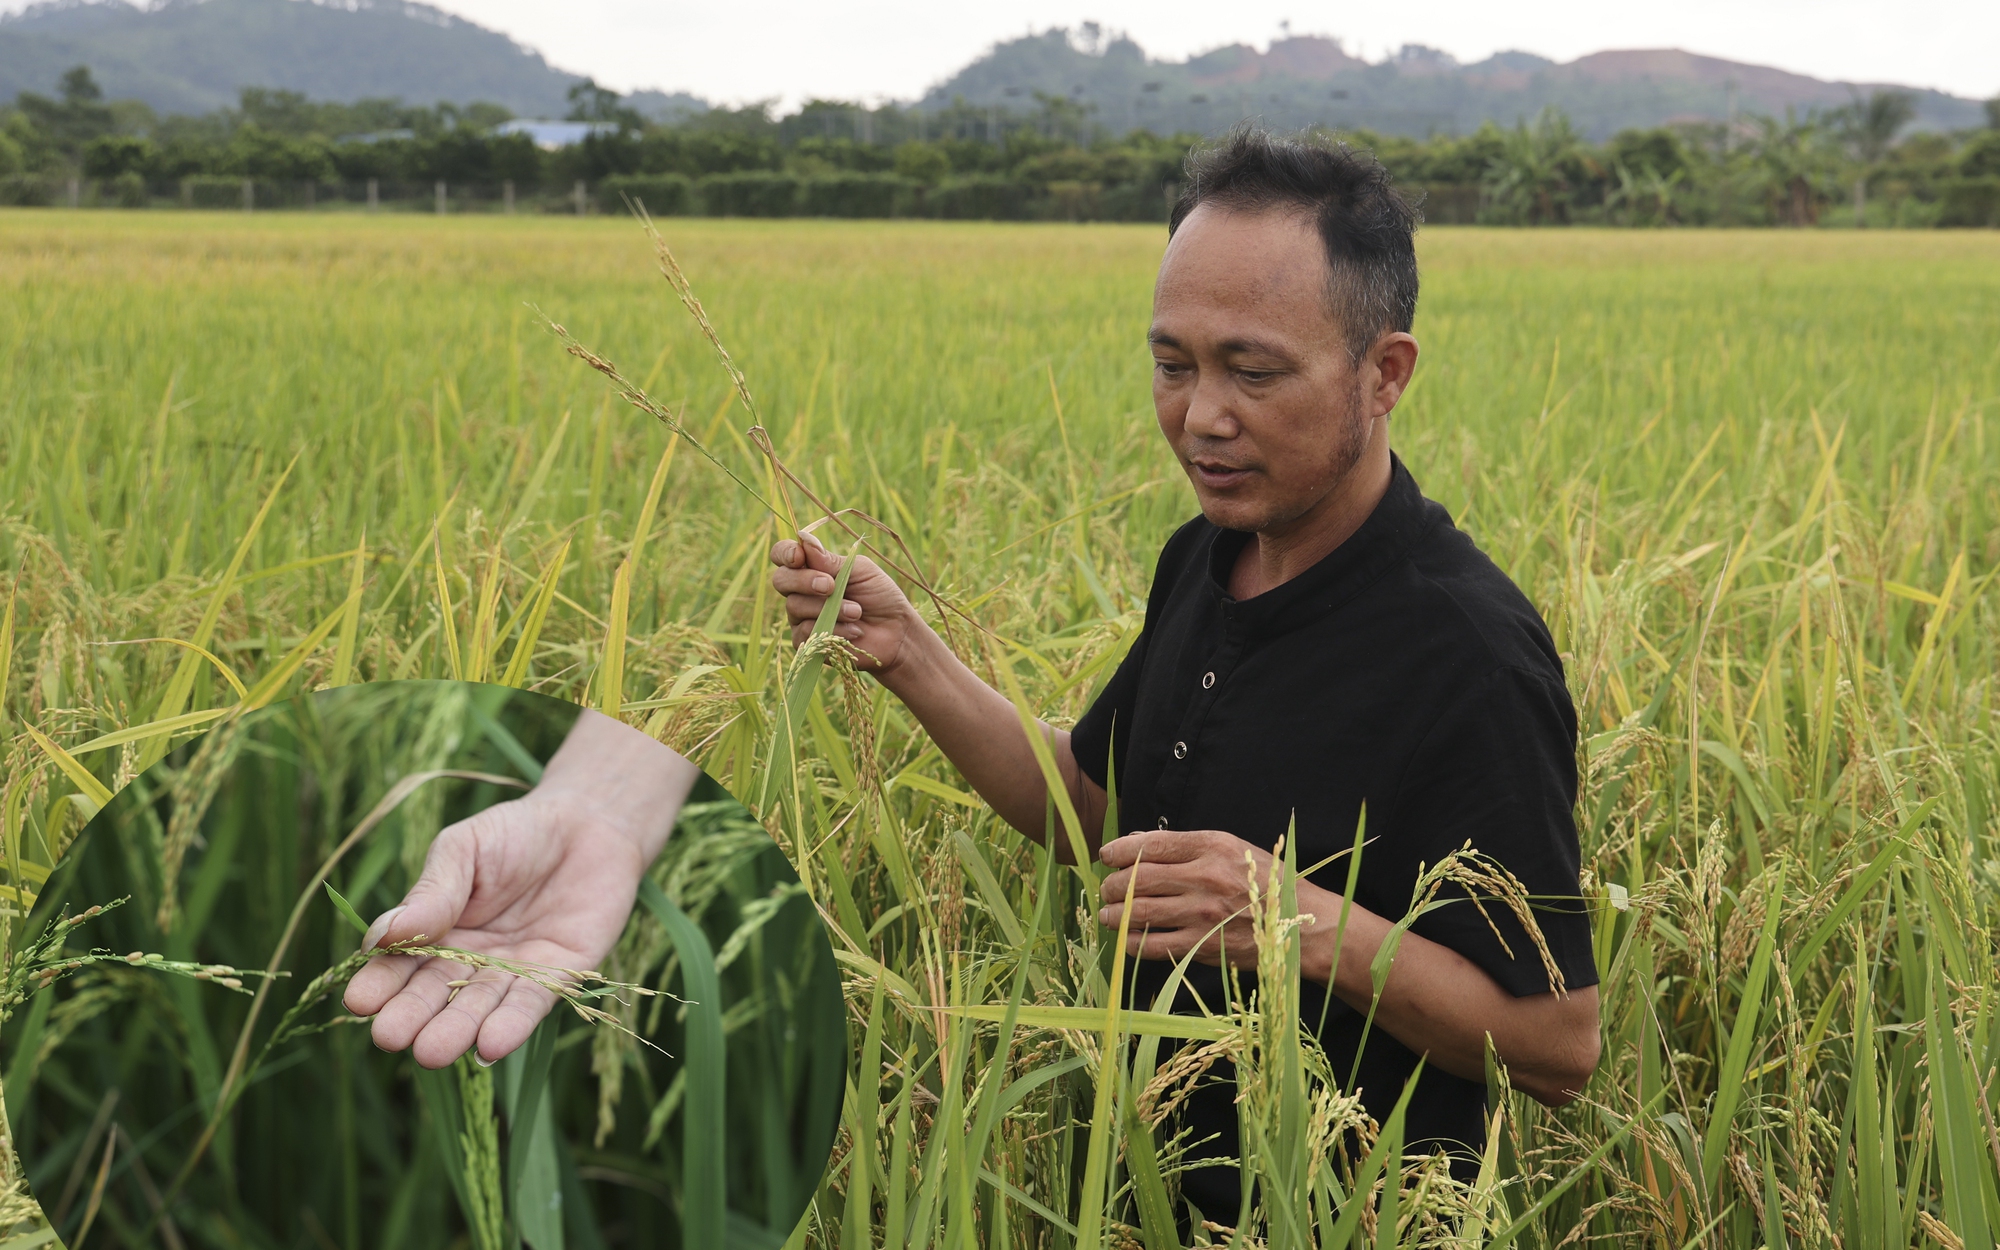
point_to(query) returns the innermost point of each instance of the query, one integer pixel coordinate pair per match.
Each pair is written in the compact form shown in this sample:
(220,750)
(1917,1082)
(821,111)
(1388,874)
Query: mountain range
(193,56)
(1312,80)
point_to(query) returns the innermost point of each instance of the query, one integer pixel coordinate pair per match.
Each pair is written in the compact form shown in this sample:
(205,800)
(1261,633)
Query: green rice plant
(1749,480)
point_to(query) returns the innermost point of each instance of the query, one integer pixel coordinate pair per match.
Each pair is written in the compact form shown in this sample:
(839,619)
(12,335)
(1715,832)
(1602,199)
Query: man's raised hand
(875,614)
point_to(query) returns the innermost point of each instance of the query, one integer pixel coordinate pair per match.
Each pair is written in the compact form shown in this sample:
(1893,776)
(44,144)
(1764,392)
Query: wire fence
(751,193)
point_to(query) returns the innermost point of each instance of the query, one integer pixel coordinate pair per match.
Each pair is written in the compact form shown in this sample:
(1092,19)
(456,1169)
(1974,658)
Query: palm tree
(1867,128)
(1794,160)
(1532,172)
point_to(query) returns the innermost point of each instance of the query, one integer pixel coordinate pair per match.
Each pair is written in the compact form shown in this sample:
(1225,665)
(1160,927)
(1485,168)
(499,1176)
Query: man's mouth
(1217,474)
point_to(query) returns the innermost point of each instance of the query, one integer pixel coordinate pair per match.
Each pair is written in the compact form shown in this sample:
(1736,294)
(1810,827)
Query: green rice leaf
(704,1183)
(346,909)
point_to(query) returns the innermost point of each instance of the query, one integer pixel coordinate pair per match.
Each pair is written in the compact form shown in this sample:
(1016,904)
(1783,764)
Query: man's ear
(1394,357)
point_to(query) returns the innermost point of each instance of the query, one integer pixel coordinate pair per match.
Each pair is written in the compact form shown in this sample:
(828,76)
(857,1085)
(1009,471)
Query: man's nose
(1208,415)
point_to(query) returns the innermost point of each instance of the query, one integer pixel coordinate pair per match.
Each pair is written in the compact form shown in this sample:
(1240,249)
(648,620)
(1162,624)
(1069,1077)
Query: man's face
(1252,379)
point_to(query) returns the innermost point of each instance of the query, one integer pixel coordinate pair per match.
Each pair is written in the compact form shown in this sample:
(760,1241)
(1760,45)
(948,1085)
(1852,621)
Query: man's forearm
(979,731)
(621,776)
(1441,1004)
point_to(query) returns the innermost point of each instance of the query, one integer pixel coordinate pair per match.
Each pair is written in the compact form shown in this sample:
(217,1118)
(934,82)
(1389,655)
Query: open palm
(532,881)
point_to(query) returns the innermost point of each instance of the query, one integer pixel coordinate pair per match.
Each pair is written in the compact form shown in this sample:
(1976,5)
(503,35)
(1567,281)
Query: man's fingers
(454,1029)
(421,998)
(513,1021)
(1150,878)
(419,1004)
(817,556)
(1169,912)
(1161,846)
(807,556)
(803,609)
(432,907)
(379,980)
(802,582)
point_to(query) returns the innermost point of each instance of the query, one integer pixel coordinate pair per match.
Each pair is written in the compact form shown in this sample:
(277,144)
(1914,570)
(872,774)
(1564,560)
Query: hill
(1311,80)
(193,56)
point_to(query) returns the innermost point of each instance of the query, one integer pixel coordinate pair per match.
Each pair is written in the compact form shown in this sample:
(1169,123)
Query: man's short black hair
(1368,228)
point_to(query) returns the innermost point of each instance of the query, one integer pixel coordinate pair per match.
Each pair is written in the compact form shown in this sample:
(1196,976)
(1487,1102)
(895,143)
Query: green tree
(68,123)
(1458,162)
(1643,197)
(257,153)
(1796,166)
(516,159)
(927,163)
(1981,157)
(695,151)
(1867,129)
(287,113)
(1065,120)
(1648,170)
(589,102)
(109,156)
(1538,169)
(1659,151)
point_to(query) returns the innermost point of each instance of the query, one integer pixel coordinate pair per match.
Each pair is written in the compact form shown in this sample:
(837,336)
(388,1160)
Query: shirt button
(1207,680)
(1180,750)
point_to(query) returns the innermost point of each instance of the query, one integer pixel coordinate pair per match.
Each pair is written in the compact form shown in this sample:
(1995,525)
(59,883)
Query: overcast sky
(741,50)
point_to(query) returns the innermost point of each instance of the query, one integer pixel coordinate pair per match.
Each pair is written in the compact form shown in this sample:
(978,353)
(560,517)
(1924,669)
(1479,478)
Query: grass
(1751,480)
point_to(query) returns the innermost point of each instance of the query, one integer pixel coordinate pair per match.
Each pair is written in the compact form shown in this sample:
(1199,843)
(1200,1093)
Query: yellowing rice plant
(1751,481)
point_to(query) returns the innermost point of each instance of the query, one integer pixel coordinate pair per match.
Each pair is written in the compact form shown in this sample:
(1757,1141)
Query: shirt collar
(1402,516)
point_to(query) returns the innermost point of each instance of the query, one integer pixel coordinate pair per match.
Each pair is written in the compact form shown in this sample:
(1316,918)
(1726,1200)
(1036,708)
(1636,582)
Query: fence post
(187,193)
(507,195)
(249,194)
(579,197)
(75,193)
(312,194)
(440,196)
(374,195)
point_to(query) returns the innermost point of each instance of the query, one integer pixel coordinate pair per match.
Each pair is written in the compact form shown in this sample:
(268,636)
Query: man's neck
(1280,553)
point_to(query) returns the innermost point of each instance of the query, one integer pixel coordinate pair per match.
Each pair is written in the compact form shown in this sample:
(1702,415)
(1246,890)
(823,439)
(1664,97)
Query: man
(1321,638)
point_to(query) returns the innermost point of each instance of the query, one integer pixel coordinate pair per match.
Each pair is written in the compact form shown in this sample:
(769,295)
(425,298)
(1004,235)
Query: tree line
(1859,164)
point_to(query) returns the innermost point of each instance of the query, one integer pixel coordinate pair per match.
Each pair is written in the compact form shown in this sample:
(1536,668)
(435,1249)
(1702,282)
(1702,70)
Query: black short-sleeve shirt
(1403,671)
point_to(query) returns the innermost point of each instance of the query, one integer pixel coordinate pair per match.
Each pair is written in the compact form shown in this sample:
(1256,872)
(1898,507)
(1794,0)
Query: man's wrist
(1336,956)
(619,777)
(635,818)
(917,660)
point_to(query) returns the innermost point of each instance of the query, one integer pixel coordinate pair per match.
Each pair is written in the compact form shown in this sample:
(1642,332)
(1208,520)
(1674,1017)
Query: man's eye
(1255,375)
(1171,368)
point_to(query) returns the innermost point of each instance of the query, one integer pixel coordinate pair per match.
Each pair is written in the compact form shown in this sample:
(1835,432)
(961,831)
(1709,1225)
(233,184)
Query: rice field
(1752,481)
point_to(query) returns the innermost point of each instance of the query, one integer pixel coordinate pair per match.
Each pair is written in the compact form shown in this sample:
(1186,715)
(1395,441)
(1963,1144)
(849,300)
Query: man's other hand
(1190,892)
(875,614)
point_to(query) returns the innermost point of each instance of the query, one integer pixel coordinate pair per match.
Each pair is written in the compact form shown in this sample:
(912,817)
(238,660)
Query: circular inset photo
(424,965)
